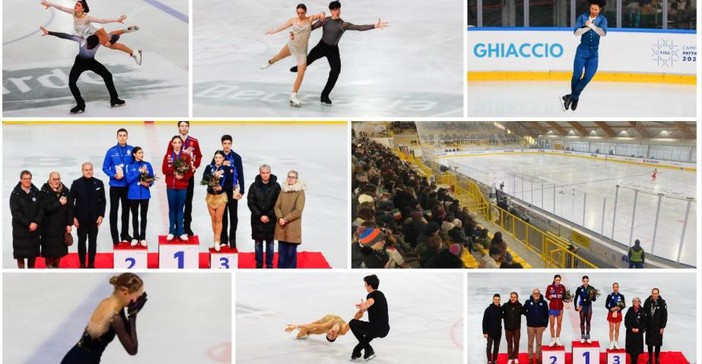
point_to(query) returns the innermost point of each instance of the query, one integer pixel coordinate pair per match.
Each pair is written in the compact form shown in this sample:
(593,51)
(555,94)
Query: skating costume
(587,54)
(298,45)
(554,295)
(614,300)
(377,325)
(334,319)
(214,198)
(89,350)
(85,61)
(84,26)
(332,30)
(583,299)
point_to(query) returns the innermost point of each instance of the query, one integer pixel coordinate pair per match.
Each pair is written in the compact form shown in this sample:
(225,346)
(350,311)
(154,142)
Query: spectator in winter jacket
(536,312)
(490,259)
(177,166)
(58,220)
(140,177)
(492,328)
(27,215)
(263,194)
(116,161)
(512,315)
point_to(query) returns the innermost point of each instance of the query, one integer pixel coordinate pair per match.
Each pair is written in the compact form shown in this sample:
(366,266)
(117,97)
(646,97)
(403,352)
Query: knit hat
(365,198)
(458,223)
(446,226)
(455,249)
(369,236)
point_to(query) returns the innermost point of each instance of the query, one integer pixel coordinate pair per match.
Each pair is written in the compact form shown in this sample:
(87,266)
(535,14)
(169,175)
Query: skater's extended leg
(335,69)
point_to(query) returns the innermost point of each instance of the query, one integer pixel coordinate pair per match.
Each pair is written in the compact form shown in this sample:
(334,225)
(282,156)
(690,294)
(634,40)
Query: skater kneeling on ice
(377,325)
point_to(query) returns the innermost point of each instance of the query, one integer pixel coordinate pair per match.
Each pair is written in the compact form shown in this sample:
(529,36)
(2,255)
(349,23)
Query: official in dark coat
(512,315)
(88,200)
(263,194)
(635,322)
(536,311)
(58,220)
(27,215)
(657,311)
(492,328)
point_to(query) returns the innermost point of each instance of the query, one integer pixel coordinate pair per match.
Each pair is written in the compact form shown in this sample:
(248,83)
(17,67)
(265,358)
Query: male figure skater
(377,324)
(589,27)
(332,30)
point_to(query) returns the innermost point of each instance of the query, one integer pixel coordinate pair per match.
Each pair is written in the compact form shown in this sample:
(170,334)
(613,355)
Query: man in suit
(88,199)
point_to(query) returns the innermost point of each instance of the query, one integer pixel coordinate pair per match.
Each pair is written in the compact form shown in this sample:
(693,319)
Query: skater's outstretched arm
(282,27)
(363,306)
(74,38)
(105,21)
(47,5)
(378,25)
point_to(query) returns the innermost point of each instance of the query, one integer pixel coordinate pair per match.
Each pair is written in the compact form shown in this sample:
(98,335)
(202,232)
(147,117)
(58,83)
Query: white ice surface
(426,322)
(316,151)
(412,68)
(574,177)
(678,290)
(187,318)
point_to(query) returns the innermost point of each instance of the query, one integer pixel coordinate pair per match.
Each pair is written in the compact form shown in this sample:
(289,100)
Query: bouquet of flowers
(212,181)
(567,296)
(620,305)
(592,293)
(181,166)
(145,177)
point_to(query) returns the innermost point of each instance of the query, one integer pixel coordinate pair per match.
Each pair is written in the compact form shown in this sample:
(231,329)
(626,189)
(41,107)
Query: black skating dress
(89,350)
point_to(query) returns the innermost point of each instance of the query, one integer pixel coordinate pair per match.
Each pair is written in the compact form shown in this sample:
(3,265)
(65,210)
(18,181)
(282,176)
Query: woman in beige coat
(288,213)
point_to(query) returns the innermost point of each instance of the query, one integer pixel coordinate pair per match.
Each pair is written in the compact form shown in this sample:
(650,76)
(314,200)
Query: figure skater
(296,45)
(332,30)
(377,325)
(83,27)
(589,27)
(332,326)
(654,174)
(555,294)
(615,304)
(109,320)
(584,296)
(85,61)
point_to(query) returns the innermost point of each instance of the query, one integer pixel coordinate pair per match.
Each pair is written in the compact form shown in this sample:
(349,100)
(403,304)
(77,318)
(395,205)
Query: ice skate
(325,100)
(132,28)
(582,338)
(356,353)
(616,345)
(553,342)
(516,361)
(217,247)
(611,345)
(170,237)
(587,339)
(116,103)
(184,237)
(574,105)
(369,355)
(134,242)
(137,56)
(558,341)
(565,102)
(266,65)
(294,101)
(143,243)
(78,109)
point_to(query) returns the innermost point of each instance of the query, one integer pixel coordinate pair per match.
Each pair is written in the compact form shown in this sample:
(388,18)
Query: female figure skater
(83,27)
(584,296)
(85,61)
(296,46)
(109,320)
(615,304)
(178,168)
(140,177)
(555,294)
(654,174)
(331,325)
(58,220)
(589,27)
(218,177)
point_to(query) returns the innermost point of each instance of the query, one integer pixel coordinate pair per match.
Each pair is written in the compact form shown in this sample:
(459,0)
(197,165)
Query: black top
(123,328)
(378,312)
(492,321)
(88,197)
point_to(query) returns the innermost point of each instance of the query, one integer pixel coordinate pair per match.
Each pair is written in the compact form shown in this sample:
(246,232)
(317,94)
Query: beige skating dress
(298,45)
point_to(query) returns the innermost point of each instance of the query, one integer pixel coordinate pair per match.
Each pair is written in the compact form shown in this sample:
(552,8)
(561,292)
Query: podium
(127,257)
(616,356)
(553,354)
(584,353)
(178,254)
(226,258)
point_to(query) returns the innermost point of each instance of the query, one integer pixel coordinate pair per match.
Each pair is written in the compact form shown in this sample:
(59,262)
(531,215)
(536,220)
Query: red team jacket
(554,294)
(169,170)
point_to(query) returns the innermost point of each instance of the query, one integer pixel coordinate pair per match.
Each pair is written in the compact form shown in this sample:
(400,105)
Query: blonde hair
(130,281)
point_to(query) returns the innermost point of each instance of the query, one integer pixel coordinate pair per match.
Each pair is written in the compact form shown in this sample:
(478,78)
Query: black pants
(188,214)
(654,349)
(230,214)
(135,206)
(332,53)
(118,195)
(494,344)
(365,332)
(87,231)
(81,65)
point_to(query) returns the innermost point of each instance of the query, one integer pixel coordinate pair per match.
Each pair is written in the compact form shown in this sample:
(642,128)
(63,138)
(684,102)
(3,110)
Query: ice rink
(187,318)
(425,310)
(677,289)
(412,68)
(316,150)
(570,180)
(36,68)
(600,99)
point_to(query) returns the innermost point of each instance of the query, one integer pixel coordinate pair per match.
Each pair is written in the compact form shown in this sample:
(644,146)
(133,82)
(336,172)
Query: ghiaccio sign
(517,50)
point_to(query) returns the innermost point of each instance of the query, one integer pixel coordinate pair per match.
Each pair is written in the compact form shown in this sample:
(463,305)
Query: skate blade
(562,103)
(116,106)
(76,112)
(370,357)
(295,105)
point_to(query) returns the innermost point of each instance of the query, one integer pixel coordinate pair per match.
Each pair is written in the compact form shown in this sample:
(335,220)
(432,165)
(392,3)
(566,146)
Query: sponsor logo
(665,52)
(518,50)
(651,161)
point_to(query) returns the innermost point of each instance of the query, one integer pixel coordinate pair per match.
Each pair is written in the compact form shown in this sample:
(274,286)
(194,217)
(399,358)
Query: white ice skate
(137,56)
(184,237)
(134,242)
(616,345)
(553,342)
(143,243)
(294,101)
(516,361)
(170,237)
(266,65)
(217,247)
(582,339)
(132,28)
(558,341)
(611,345)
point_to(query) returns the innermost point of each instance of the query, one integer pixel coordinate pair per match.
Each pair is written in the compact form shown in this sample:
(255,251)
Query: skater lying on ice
(331,325)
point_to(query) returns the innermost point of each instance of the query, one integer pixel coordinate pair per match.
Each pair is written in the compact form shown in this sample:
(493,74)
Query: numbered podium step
(225,258)
(584,353)
(127,257)
(616,356)
(553,354)
(178,254)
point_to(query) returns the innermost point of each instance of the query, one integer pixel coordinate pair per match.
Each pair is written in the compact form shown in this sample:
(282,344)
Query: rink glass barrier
(664,14)
(546,54)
